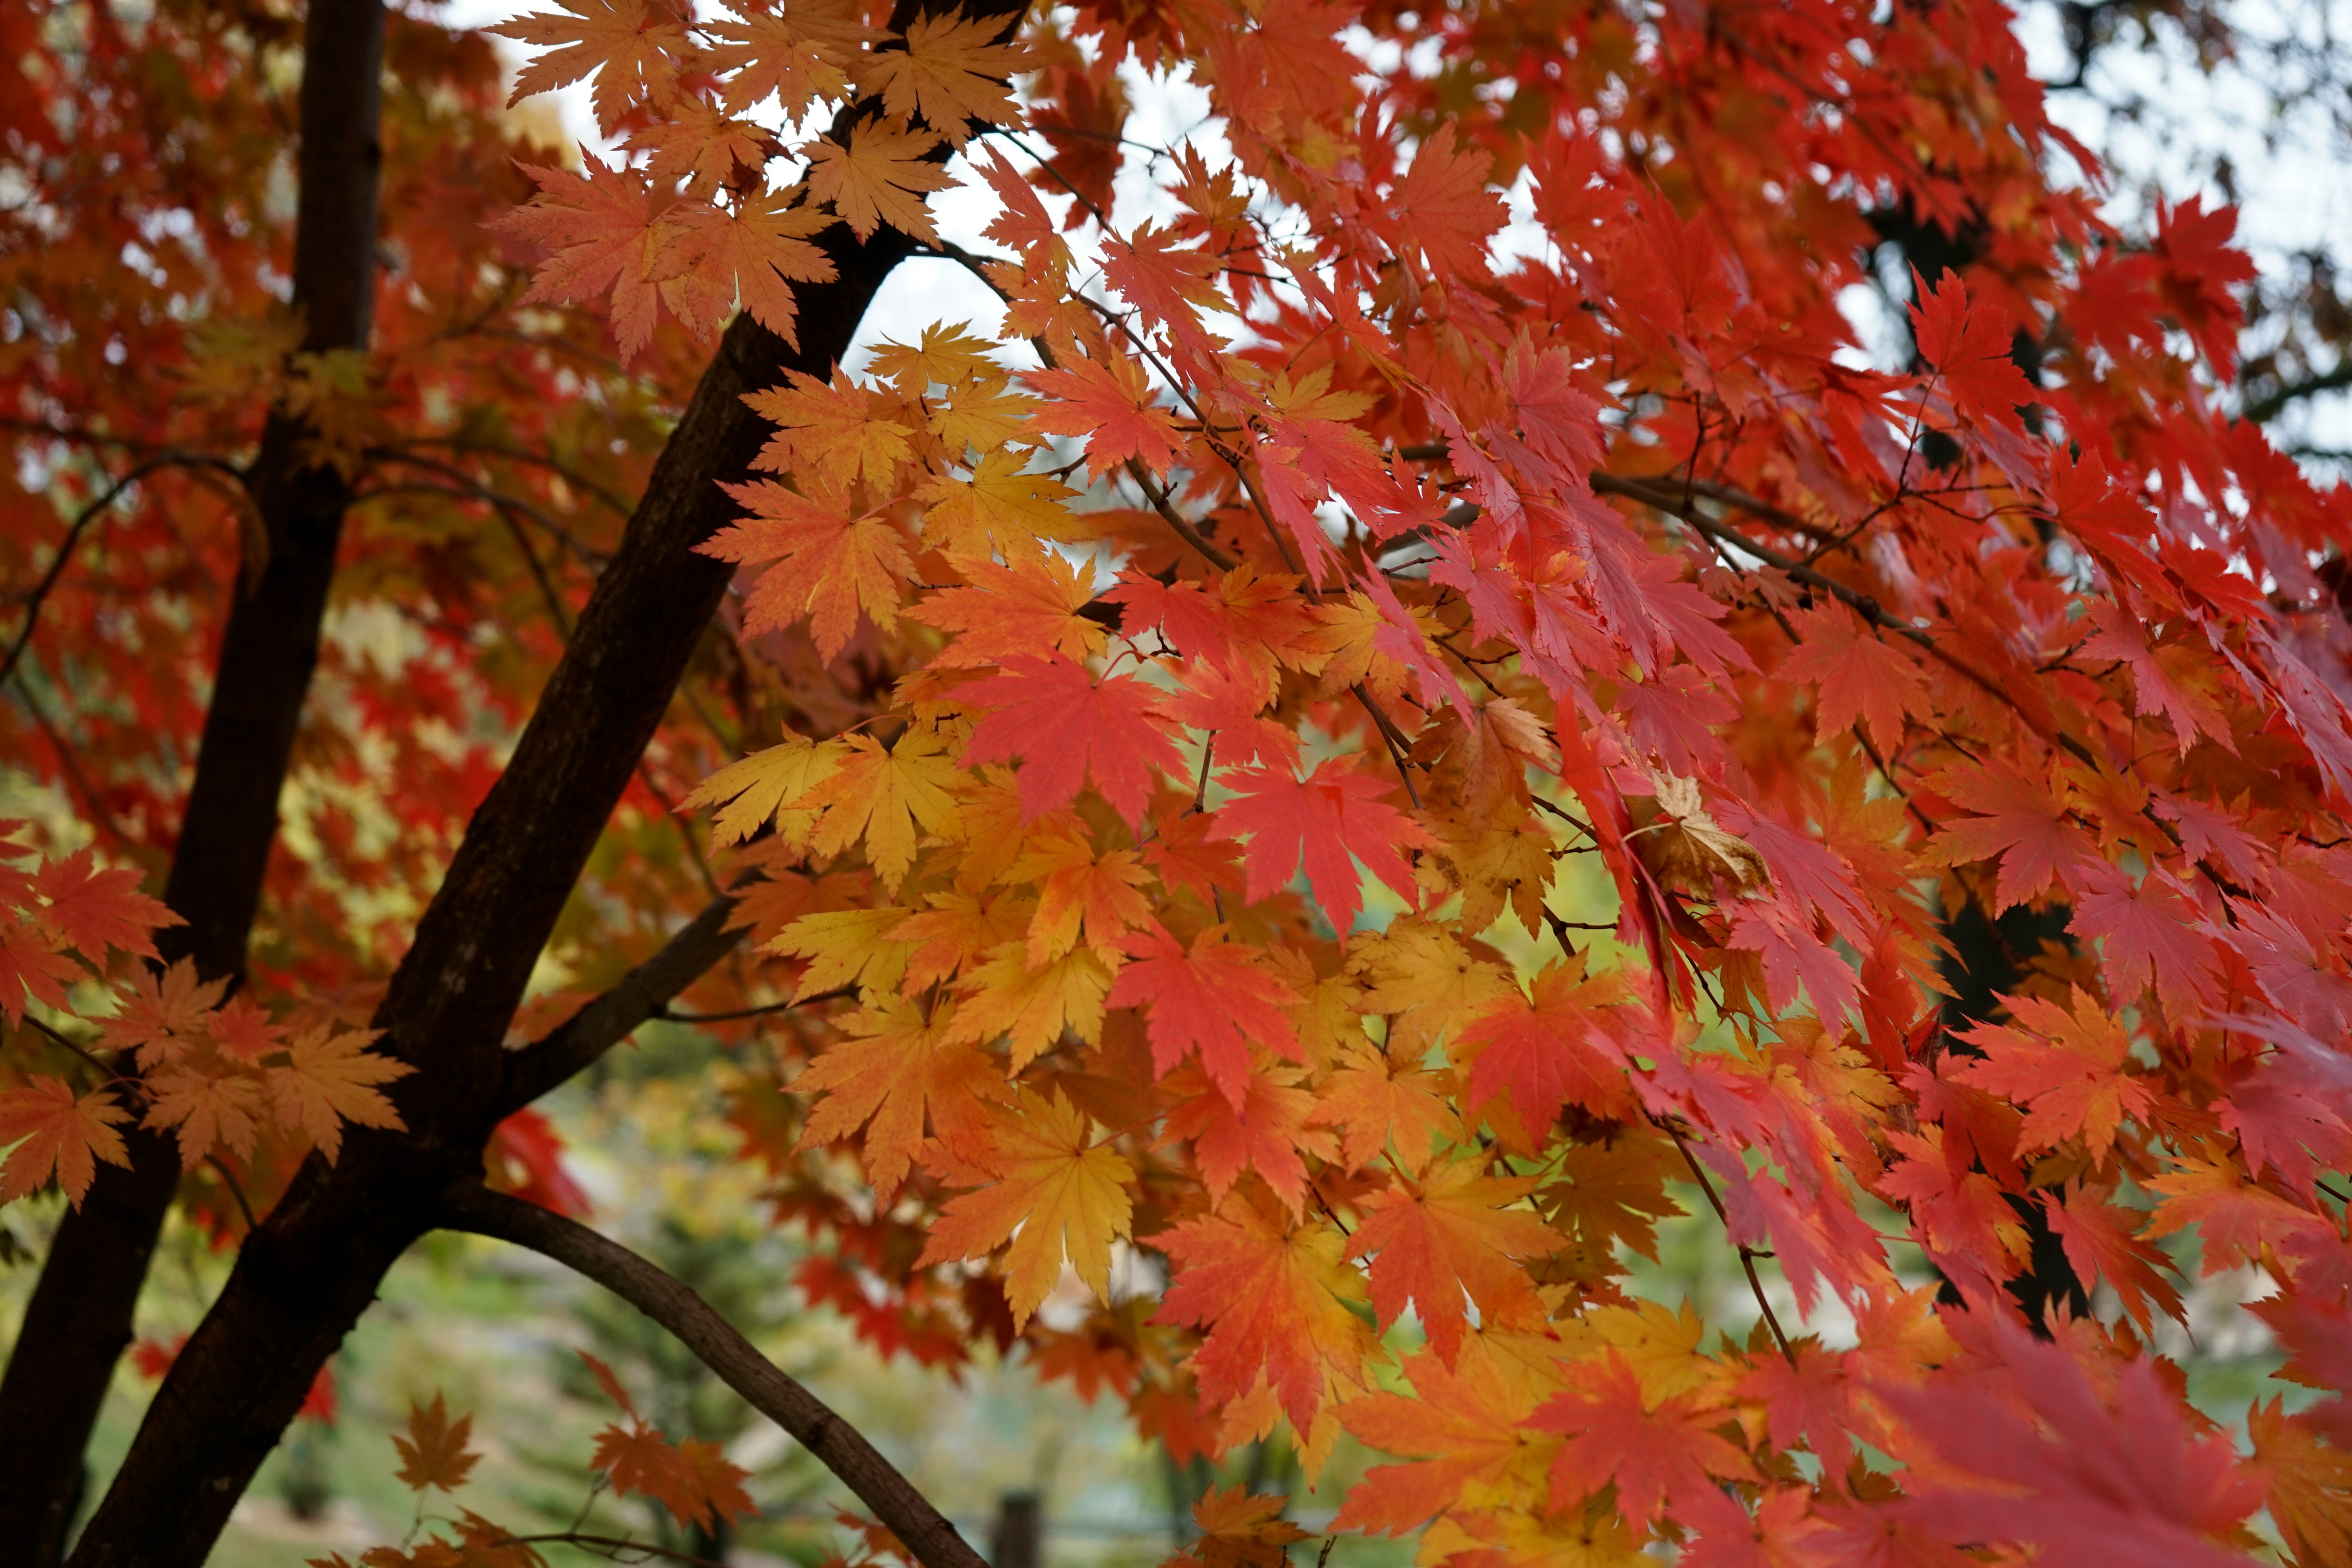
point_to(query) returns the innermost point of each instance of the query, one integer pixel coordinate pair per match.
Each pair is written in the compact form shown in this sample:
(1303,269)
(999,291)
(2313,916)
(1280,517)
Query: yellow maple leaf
(980,416)
(1661,1344)
(1034,1006)
(952,70)
(1339,648)
(844,948)
(1241,1528)
(1064,1194)
(882,794)
(1076,888)
(878,177)
(998,508)
(957,929)
(766,786)
(837,432)
(945,356)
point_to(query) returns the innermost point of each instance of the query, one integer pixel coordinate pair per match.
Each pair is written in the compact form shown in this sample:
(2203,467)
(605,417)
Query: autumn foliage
(1414,706)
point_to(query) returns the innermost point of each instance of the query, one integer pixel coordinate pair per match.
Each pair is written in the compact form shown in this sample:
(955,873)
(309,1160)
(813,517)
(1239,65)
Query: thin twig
(613,1546)
(1746,1258)
(82,519)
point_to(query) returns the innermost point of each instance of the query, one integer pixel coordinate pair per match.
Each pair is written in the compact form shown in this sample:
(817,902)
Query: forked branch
(770,1390)
(642,994)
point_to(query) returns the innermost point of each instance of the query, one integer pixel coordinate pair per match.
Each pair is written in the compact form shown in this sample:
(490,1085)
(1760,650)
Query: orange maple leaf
(2068,1067)
(1449,1234)
(63,1134)
(329,1079)
(894,1071)
(830,562)
(623,42)
(1272,1297)
(880,176)
(602,235)
(436,1451)
(1468,1431)
(1062,1193)
(754,253)
(952,70)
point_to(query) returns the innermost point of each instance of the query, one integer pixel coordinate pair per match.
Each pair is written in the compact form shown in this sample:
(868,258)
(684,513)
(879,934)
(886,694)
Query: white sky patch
(2293,174)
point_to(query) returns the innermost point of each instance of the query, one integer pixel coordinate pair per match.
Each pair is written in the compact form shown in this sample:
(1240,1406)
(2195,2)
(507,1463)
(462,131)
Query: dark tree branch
(642,994)
(79,1320)
(305,1275)
(2275,402)
(840,1447)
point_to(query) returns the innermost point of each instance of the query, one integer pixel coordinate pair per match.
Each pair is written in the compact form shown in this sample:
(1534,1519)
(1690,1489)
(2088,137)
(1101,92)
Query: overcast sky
(2293,177)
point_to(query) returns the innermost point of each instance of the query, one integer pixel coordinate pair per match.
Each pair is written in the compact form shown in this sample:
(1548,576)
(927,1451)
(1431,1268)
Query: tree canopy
(1407,690)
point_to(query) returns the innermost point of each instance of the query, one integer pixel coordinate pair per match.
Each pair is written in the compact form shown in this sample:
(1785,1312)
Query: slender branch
(82,519)
(667,1015)
(1747,1257)
(1215,556)
(1861,604)
(841,1447)
(642,994)
(69,1043)
(565,471)
(236,1190)
(608,1546)
(2264,409)
(1678,494)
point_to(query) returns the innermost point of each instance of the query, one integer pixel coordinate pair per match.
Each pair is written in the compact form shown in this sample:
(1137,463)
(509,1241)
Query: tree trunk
(305,1275)
(80,1319)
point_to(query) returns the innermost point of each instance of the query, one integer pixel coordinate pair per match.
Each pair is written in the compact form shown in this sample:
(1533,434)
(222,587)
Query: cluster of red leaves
(1167,862)
(1345,613)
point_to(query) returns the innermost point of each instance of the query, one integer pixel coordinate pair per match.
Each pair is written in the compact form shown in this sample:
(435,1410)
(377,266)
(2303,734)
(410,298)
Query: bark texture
(313,1265)
(307,1273)
(80,1319)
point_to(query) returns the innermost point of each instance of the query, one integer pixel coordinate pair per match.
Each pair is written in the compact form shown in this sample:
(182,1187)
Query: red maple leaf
(1969,345)
(1655,1453)
(1332,813)
(1109,403)
(1069,727)
(1552,1050)
(1211,999)
(2027,1449)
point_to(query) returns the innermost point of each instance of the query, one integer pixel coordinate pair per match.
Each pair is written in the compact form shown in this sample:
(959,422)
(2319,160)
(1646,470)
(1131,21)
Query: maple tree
(1124,776)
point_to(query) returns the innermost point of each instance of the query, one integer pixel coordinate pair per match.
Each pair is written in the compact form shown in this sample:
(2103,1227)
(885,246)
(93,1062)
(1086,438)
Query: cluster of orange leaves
(1183,924)
(215,1073)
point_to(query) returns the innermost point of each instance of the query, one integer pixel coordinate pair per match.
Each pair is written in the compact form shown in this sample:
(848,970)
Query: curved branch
(642,994)
(776,1394)
(82,519)
(2264,409)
